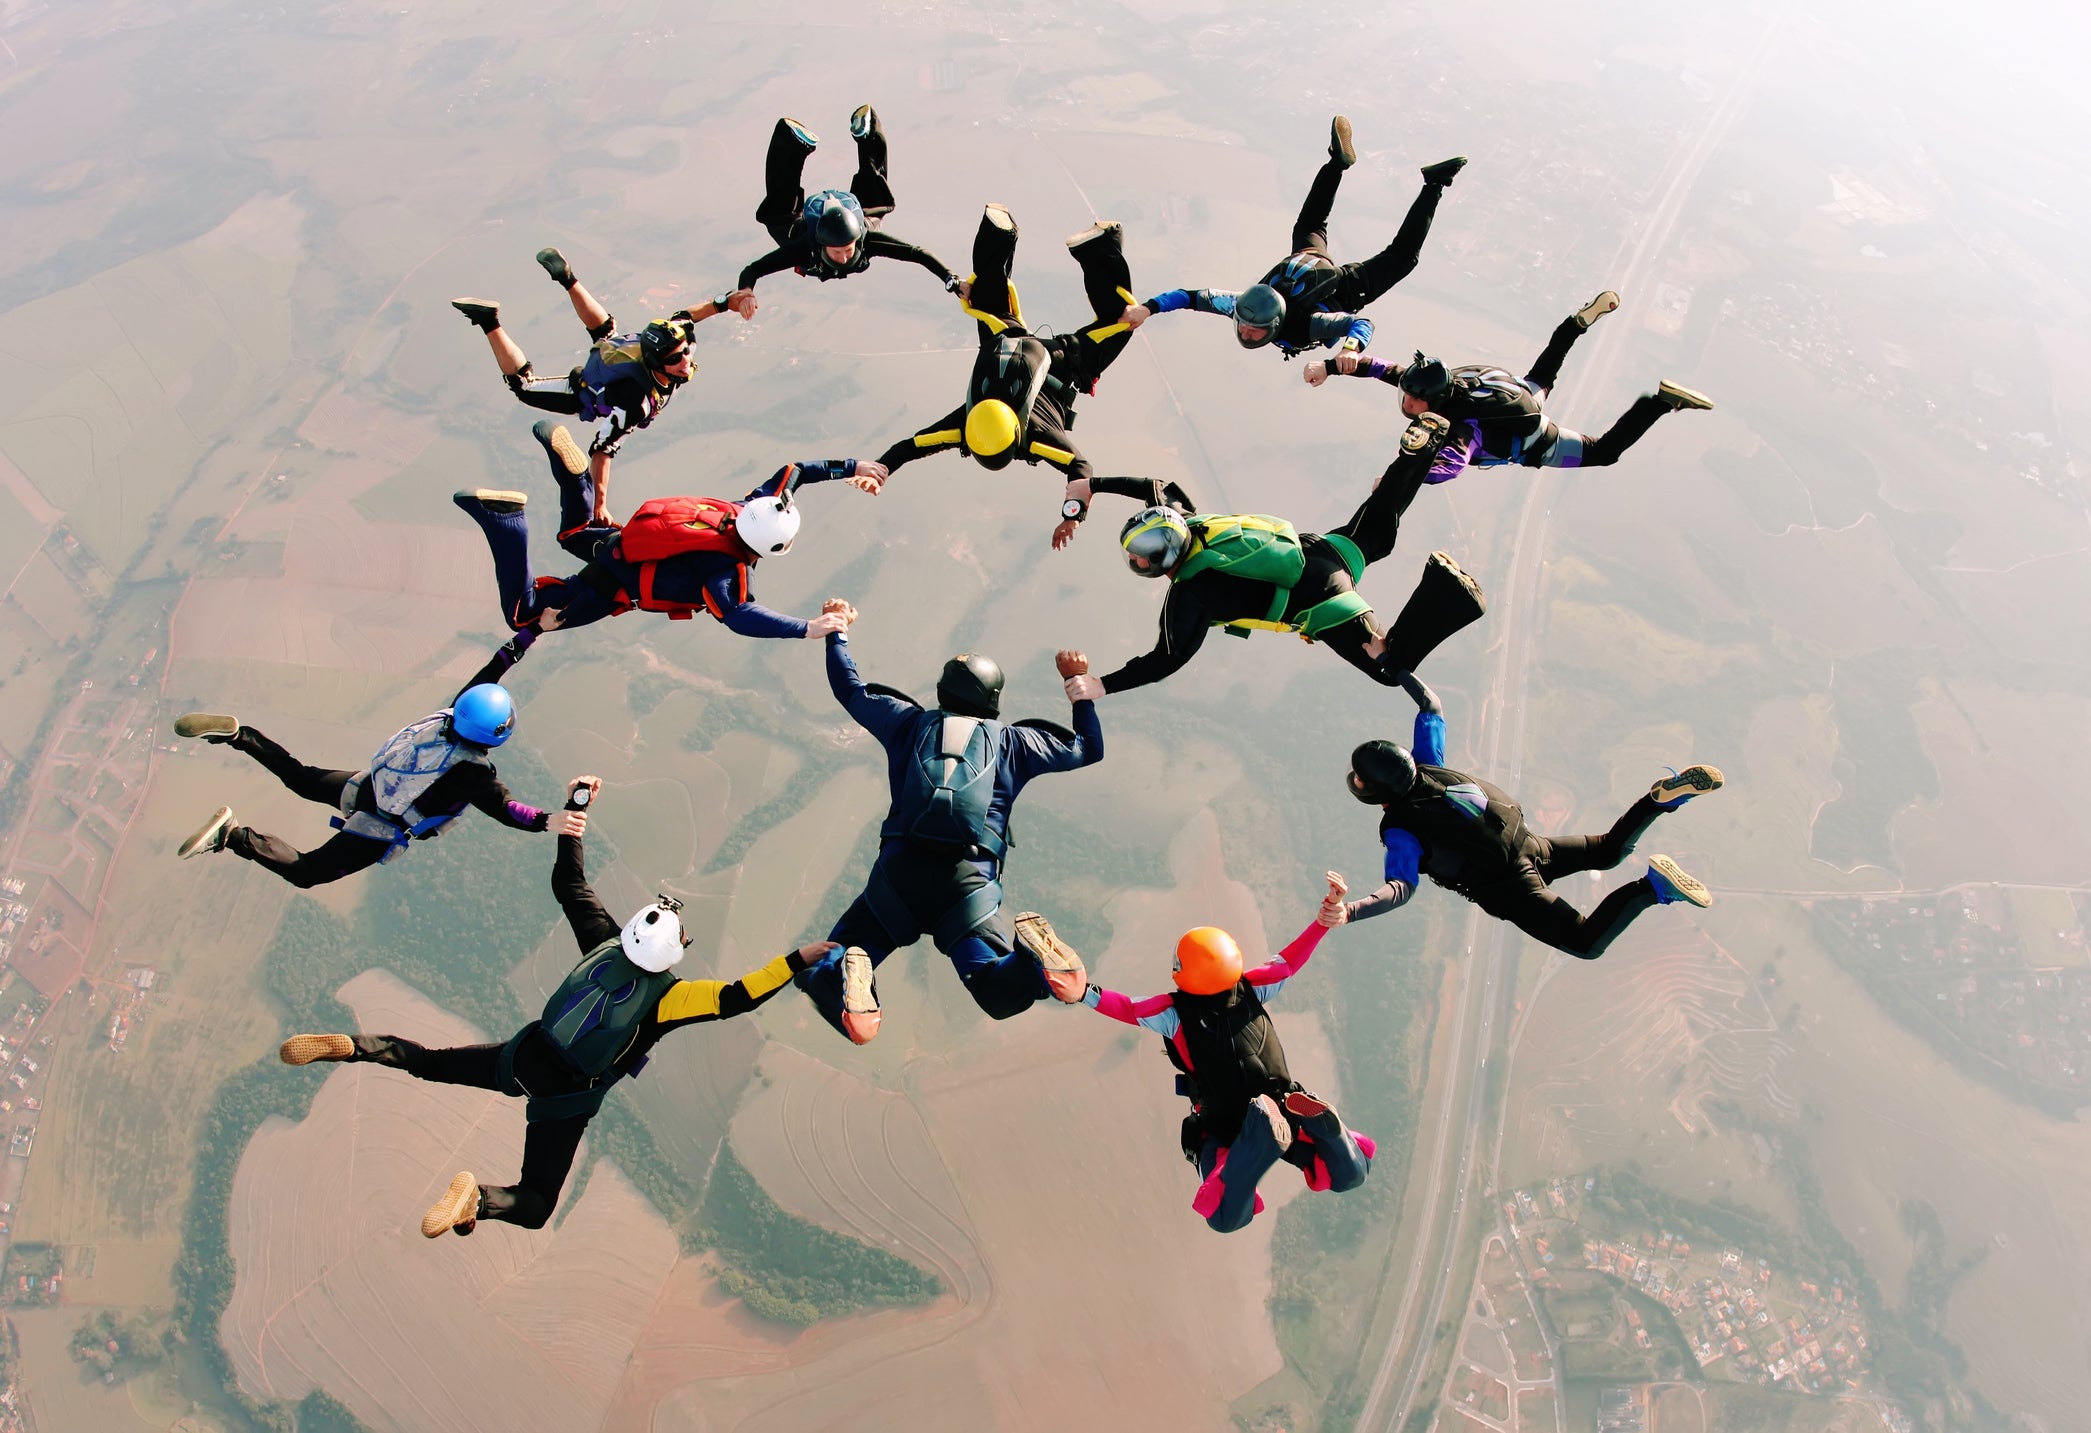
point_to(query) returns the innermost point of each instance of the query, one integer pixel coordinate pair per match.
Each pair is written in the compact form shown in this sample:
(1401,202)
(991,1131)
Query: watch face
(1070,508)
(582,797)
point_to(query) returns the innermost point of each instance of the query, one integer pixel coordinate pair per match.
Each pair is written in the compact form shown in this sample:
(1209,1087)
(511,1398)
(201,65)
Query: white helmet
(654,938)
(768,525)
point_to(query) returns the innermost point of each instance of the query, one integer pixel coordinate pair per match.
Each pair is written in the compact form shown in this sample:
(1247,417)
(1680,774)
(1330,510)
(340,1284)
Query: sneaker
(1303,1106)
(212,836)
(1676,789)
(493,500)
(304,1049)
(484,312)
(804,135)
(1101,229)
(561,445)
(1673,884)
(1057,961)
(1000,217)
(863,122)
(1340,147)
(211,726)
(554,263)
(1679,396)
(1267,1107)
(1443,171)
(860,1001)
(458,1209)
(1596,309)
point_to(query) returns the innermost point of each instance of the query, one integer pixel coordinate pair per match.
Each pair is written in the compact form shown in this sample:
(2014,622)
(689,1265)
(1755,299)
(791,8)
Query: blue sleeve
(746,618)
(1404,859)
(1034,753)
(1429,745)
(1173,301)
(882,716)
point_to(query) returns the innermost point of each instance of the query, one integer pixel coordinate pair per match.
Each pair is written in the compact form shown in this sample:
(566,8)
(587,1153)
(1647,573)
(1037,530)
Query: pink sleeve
(1125,1009)
(1291,960)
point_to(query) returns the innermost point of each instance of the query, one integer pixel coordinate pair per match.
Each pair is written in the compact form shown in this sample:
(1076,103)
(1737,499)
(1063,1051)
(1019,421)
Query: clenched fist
(838,607)
(1071,664)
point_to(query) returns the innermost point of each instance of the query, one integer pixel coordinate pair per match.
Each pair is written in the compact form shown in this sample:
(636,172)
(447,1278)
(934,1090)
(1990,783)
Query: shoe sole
(1692,781)
(305,1049)
(199,724)
(1341,149)
(1093,232)
(554,263)
(857,995)
(493,499)
(1280,1130)
(562,446)
(1466,579)
(451,1210)
(1597,308)
(804,135)
(862,121)
(465,306)
(1683,397)
(1688,888)
(1304,1106)
(1000,217)
(199,842)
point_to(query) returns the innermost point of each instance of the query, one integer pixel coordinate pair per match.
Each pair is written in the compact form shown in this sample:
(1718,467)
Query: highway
(1439,1269)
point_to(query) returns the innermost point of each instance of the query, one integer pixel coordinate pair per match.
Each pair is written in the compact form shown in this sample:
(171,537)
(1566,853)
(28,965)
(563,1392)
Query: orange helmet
(1208,962)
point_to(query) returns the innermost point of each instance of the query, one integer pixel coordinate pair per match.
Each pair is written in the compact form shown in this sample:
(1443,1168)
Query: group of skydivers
(957,768)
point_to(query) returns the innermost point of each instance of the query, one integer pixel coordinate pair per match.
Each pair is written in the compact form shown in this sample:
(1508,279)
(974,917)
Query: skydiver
(1310,301)
(680,556)
(1020,402)
(1247,1112)
(625,381)
(1471,837)
(954,773)
(599,1026)
(831,235)
(1247,571)
(1497,420)
(421,780)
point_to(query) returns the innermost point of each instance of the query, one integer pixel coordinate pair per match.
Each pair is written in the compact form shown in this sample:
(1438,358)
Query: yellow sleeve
(690,1000)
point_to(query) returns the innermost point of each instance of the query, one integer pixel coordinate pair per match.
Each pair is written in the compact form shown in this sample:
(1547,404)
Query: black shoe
(1442,172)
(1000,217)
(864,122)
(484,313)
(1103,229)
(493,500)
(1341,149)
(554,263)
(802,134)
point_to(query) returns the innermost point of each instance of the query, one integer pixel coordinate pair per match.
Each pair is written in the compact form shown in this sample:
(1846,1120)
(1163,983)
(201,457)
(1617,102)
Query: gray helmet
(1426,377)
(971,685)
(1259,306)
(1381,772)
(1159,535)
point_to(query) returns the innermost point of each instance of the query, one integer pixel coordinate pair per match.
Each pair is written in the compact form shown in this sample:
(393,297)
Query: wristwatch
(719,301)
(580,797)
(1074,509)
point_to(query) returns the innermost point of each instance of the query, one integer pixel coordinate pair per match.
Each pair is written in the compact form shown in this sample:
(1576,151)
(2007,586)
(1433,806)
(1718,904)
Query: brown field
(61,1396)
(1536,1411)
(1677,1410)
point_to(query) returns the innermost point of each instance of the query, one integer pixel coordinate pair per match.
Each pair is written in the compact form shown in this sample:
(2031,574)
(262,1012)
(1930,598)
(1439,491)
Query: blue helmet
(835,218)
(484,714)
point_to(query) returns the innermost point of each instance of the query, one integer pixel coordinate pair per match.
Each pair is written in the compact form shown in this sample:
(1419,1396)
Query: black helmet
(662,341)
(839,223)
(1381,772)
(1426,377)
(1259,306)
(971,685)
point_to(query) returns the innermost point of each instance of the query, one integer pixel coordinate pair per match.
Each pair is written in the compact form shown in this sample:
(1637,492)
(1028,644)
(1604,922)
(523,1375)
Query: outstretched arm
(776,261)
(1346,332)
(1184,625)
(1270,978)
(592,925)
(498,665)
(1404,862)
(947,432)
(1156,1012)
(877,713)
(881,245)
(689,1002)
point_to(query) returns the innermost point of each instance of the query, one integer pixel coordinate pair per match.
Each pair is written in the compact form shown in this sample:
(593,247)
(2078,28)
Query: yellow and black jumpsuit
(1038,379)
(562,1101)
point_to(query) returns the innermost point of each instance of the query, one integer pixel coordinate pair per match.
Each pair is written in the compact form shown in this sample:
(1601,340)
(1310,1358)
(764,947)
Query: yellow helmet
(1208,962)
(990,428)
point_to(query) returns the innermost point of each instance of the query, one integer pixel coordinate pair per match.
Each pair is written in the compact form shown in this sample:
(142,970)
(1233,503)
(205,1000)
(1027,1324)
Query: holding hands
(870,476)
(1333,911)
(1075,678)
(1135,315)
(835,616)
(573,821)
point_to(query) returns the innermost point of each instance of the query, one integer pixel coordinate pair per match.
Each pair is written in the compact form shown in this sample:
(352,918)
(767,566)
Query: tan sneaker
(1673,791)
(860,1003)
(1341,147)
(211,726)
(1062,968)
(304,1049)
(1673,883)
(211,836)
(458,1208)
(1679,396)
(561,445)
(1596,309)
